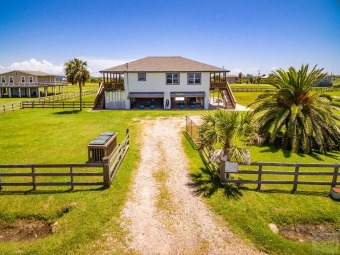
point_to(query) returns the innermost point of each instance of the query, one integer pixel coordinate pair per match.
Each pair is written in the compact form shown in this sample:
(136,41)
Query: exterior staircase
(99,101)
(228,98)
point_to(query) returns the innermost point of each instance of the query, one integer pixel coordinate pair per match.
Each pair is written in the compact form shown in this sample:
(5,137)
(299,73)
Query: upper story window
(3,79)
(172,78)
(141,76)
(11,79)
(22,78)
(30,79)
(194,78)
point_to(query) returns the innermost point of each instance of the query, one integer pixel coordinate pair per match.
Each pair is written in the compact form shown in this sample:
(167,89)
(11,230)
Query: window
(172,78)
(11,79)
(30,78)
(194,78)
(141,76)
(22,78)
(3,79)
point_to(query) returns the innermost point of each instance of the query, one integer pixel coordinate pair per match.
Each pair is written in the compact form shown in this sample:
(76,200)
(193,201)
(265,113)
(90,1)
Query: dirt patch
(163,214)
(24,231)
(325,232)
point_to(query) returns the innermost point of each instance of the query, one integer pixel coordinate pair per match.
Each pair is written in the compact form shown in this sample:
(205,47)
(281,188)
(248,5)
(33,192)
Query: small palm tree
(76,72)
(293,117)
(229,130)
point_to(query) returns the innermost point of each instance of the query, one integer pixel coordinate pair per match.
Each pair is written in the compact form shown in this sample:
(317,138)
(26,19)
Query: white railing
(33,84)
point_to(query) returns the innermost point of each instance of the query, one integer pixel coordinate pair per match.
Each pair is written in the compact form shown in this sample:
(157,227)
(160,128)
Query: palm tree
(76,72)
(293,117)
(229,130)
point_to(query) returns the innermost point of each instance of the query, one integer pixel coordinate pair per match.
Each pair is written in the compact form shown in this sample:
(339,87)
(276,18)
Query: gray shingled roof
(165,64)
(35,73)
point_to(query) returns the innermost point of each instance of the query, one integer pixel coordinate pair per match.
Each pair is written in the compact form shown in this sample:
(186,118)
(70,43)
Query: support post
(71,174)
(335,175)
(296,176)
(106,172)
(222,170)
(33,178)
(259,178)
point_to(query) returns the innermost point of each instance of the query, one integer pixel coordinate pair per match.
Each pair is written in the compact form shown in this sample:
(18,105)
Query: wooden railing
(104,172)
(233,100)
(39,101)
(99,92)
(309,170)
(218,85)
(33,84)
(55,105)
(113,86)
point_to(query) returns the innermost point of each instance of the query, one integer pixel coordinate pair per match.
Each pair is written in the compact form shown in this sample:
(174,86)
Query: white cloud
(94,65)
(35,65)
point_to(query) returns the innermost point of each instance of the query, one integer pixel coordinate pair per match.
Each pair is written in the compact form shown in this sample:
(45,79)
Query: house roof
(164,64)
(35,73)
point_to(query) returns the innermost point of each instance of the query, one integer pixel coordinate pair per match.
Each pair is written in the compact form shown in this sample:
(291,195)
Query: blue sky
(241,35)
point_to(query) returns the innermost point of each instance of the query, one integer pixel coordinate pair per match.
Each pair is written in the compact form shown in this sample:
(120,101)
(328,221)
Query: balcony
(114,86)
(218,85)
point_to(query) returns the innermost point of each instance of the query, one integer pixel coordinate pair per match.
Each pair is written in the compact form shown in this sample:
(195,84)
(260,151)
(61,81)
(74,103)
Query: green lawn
(61,136)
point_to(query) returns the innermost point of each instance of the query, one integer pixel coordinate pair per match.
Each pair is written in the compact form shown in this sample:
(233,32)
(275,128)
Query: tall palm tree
(293,117)
(229,130)
(76,72)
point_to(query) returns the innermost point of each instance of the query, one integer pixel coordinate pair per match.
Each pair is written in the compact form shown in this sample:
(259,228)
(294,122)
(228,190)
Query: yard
(83,217)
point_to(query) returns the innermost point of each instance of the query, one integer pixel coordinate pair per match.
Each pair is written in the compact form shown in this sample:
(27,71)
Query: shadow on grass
(67,112)
(43,192)
(296,192)
(286,153)
(192,143)
(206,183)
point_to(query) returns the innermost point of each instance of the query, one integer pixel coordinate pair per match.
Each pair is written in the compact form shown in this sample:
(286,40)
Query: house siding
(156,82)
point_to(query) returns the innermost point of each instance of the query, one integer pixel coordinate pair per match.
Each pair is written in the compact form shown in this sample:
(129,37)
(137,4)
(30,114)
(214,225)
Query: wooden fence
(88,174)
(47,101)
(54,105)
(317,89)
(296,170)
(302,173)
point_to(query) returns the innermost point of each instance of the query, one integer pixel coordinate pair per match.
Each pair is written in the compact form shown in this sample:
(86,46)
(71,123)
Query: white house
(326,81)
(163,83)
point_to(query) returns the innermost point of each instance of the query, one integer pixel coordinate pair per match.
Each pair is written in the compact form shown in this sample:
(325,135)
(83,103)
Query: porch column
(55,90)
(19,92)
(29,92)
(45,89)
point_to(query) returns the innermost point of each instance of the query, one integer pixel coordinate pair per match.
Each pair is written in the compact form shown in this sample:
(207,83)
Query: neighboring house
(163,83)
(29,83)
(326,81)
(231,78)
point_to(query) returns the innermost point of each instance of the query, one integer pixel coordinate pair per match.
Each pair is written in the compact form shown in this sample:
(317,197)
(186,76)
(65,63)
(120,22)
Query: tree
(229,130)
(76,72)
(294,118)
(240,76)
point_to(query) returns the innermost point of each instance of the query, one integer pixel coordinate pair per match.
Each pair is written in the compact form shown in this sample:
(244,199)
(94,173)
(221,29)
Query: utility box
(102,146)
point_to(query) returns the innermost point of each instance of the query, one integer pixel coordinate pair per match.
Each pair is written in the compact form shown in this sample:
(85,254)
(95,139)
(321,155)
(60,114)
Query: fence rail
(318,89)
(105,170)
(54,105)
(39,101)
(295,172)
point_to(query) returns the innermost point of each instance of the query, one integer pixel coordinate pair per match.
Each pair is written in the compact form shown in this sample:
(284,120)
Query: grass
(251,86)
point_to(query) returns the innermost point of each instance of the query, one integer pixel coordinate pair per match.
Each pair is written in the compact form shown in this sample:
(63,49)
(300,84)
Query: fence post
(222,169)
(296,176)
(335,175)
(33,177)
(71,174)
(259,178)
(0,184)
(106,172)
